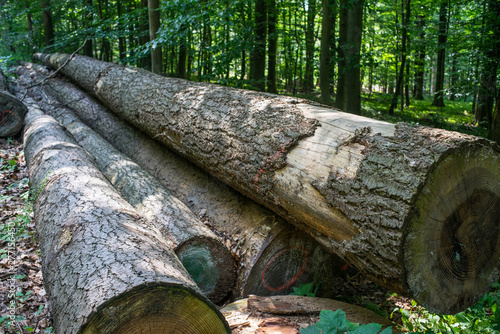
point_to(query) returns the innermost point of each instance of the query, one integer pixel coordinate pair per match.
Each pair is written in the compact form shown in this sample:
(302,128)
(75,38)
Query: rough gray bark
(206,259)
(12,112)
(369,191)
(98,255)
(263,243)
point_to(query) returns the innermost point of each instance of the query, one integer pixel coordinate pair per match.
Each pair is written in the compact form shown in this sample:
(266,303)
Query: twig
(56,71)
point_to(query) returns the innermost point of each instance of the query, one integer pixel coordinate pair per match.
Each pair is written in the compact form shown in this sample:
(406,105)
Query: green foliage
(308,290)
(484,317)
(336,322)
(455,116)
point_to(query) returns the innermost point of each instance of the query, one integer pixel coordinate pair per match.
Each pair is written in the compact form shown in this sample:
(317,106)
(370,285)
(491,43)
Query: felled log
(206,259)
(12,110)
(105,269)
(273,257)
(407,205)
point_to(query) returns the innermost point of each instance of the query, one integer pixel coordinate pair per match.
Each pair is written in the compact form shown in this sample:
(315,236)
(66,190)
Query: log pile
(105,268)
(416,209)
(272,256)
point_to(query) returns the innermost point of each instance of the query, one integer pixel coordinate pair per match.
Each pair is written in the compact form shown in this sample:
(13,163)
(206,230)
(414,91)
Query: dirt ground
(24,307)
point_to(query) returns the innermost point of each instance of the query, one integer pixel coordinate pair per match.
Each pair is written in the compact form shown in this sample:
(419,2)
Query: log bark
(12,112)
(273,257)
(205,258)
(98,255)
(406,205)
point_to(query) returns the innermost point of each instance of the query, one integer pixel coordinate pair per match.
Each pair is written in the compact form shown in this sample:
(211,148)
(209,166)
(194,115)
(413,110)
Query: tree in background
(349,83)
(258,54)
(326,72)
(154,26)
(441,54)
(48,25)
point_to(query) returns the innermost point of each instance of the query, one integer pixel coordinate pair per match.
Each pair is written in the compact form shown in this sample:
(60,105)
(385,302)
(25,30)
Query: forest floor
(24,304)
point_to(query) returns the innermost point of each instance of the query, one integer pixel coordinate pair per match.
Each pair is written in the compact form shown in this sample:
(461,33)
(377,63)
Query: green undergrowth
(455,116)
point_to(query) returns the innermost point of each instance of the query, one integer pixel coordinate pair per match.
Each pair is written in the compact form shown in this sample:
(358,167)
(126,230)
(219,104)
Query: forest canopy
(408,58)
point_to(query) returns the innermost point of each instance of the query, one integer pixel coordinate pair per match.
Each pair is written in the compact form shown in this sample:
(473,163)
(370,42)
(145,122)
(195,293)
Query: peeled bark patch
(96,250)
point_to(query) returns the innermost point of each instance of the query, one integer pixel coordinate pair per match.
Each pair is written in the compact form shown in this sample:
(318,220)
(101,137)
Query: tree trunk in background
(145,62)
(272,16)
(310,49)
(351,29)
(88,13)
(98,255)
(327,44)
(154,25)
(374,193)
(494,133)
(399,82)
(48,26)
(491,51)
(121,39)
(454,75)
(183,47)
(441,54)
(258,53)
(420,59)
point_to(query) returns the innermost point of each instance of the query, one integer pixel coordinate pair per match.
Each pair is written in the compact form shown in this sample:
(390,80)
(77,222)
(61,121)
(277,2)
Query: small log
(273,257)
(106,270)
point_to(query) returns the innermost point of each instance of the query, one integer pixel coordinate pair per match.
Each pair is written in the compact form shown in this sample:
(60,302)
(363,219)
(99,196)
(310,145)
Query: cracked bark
(411,222)
(12,111)
(99,257)
(264,244)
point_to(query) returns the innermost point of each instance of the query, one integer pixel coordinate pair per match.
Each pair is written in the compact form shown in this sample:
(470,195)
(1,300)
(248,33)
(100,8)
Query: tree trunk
(267,248)
(370,191)
(98,255)
(309,73)
(494,133)
(399,81)
(154,26)
(183,47)
(258,53)
(48,26)
(327,41)
(273,43)
(87,21)
(351,29)
(442,38)
(121,38)
(420,60)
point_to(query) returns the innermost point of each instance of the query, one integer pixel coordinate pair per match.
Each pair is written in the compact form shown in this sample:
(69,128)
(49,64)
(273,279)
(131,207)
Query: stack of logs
(413,208)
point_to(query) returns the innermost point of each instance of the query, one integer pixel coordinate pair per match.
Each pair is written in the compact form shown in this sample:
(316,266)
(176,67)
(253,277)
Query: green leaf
(388,330)
(367,329)
(334,322)
(310,330)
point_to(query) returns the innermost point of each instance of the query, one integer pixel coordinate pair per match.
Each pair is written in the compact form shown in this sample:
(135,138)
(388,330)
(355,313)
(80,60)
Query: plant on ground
(333,322)
(483,317)
(308,290)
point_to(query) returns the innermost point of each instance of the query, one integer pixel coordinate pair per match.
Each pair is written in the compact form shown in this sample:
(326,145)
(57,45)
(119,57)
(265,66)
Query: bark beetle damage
(387,183)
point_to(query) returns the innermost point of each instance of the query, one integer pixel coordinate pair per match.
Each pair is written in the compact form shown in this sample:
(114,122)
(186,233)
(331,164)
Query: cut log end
(210,265)
(157,309)
(453,244)
(291,259)
(12,113)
